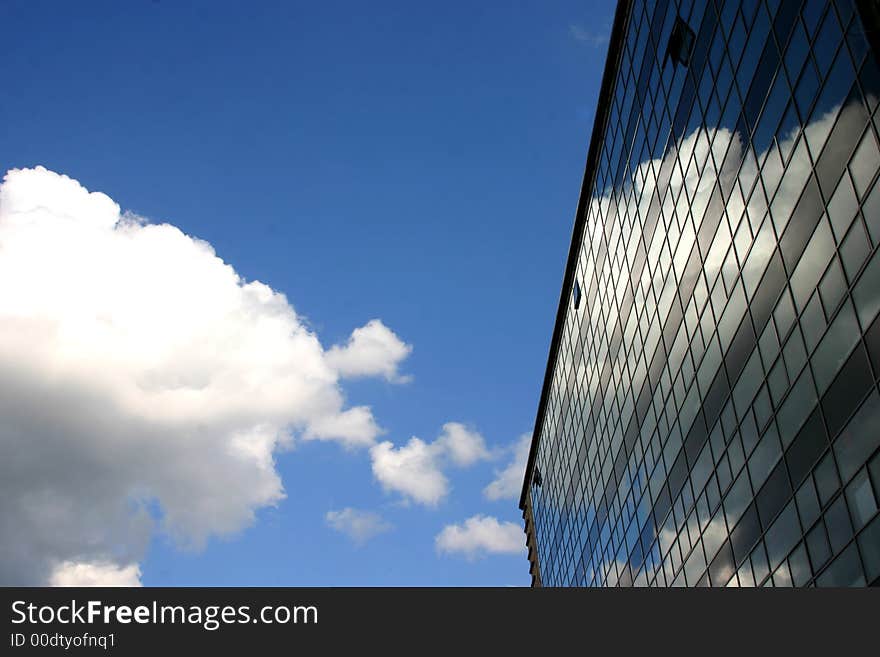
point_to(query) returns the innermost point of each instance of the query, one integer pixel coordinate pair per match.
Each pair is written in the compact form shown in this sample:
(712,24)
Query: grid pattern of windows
(712,412)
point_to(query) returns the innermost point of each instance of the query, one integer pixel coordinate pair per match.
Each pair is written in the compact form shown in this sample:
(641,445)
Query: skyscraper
(710,413)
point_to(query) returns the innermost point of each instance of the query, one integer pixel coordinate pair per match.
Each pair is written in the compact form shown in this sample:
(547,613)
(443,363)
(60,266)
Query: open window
(681,43)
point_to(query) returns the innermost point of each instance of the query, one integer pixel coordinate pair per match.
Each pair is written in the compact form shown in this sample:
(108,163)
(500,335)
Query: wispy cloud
(593,38)
(360,526)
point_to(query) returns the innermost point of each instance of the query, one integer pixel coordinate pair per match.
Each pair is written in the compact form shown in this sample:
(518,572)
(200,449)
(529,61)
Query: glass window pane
(832,287)
(813,322)
(860,499)
(813,262)
(818,547)
(854,250)
(764,457)
(839,526)
(800,566)
(845,570)
(842,207)
(864,163)
(782,535)
(860,437)
(834,348)
(807,503)
(827,481)
(871,213)
(866,294)
(869,546)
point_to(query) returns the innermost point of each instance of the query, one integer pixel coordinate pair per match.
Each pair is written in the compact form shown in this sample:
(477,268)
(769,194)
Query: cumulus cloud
(354,427)
(71,573)
(416,469)
(359,526)
(481,535)
(139,371)
(372,350)
(508,482)
(412,470)
(464,446)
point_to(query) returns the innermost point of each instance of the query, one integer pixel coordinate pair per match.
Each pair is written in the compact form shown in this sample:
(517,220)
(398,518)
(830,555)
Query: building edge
(606,89)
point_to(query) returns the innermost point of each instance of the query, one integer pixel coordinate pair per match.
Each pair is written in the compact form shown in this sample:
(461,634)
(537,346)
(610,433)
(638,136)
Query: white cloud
(481,535)
(139,370)
(354,427)
(464,446)
(508,482)
(412,470)
(416,469)
(71,573)
(359,526)
(372,350)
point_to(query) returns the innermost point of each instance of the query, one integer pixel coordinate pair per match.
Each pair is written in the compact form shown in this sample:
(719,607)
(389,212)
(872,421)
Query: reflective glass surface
(712,414)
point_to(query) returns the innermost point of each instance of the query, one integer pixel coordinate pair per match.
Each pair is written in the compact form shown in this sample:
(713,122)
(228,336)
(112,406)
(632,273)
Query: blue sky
(418,164)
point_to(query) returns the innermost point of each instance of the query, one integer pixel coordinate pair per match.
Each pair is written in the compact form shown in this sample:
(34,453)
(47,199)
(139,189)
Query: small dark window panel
(536,477)
(681,42)
(576,295)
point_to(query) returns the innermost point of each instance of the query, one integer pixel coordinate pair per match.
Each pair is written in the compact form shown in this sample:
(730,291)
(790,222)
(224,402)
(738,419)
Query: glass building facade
(710,414)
